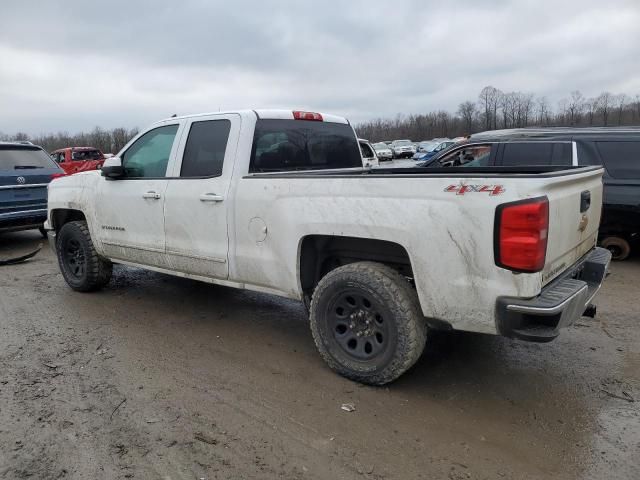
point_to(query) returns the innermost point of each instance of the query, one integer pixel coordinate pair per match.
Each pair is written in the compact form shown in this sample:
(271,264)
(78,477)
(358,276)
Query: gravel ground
(161,377)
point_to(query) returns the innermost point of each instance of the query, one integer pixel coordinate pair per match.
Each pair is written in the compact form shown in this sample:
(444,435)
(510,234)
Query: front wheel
(366,322)
(81,267)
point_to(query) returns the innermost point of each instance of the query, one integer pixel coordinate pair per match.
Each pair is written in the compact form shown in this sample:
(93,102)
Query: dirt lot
(160,377)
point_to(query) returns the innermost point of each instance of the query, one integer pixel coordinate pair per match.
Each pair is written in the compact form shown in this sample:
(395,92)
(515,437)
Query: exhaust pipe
(590,311)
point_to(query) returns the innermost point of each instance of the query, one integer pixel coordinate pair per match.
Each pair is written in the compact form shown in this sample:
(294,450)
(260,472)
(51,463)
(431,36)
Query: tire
(43,232)
(618,247)
(81,267)
(367,323)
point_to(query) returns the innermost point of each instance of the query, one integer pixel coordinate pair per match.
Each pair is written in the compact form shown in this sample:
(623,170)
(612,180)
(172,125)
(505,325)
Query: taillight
(316,117)
(57,175)
(520,235)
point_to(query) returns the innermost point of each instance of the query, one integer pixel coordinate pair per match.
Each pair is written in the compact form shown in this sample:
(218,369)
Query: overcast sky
(71,65)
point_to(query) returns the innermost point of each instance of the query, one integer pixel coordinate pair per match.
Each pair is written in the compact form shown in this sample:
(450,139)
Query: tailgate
(575,206)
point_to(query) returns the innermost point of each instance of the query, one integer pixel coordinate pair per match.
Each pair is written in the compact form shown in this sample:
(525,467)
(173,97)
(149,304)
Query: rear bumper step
(560,303)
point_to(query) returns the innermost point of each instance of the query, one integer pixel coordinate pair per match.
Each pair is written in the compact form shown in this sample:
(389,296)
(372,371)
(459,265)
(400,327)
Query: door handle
(151,194)
(211,197)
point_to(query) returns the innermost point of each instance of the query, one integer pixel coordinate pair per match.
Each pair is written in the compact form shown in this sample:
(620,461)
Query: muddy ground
(163,378)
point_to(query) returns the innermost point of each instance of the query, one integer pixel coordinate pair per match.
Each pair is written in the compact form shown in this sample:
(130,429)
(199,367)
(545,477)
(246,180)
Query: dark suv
(616,148)
(25,172)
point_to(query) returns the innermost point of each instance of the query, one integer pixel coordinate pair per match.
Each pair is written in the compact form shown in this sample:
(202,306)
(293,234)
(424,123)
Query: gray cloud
(71,65)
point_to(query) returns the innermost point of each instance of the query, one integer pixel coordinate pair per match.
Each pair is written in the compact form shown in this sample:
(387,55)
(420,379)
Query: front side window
(205,149)
(149,155)
(621,159)
(287,145)
(470,156)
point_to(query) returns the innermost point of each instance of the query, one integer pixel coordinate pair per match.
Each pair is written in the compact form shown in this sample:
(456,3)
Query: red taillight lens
(57,175)
(316,117)
(521,232)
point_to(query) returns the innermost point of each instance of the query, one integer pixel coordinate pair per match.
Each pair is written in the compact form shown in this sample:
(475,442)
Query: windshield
(380,146)
(402,142)
(19,158)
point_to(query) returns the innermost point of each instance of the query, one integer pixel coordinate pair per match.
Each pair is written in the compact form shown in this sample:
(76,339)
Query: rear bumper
(560,303)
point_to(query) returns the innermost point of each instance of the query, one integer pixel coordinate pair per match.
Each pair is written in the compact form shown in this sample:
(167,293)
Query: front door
(196,203)
(130,209)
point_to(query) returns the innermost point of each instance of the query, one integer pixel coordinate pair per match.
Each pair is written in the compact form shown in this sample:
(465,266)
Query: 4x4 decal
(461,189)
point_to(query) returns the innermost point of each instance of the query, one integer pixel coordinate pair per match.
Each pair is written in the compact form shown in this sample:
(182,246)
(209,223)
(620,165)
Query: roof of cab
(264,114)
(546,132)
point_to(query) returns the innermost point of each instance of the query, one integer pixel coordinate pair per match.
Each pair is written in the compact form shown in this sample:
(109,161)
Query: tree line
(492,110)
(495,109)
(108,141)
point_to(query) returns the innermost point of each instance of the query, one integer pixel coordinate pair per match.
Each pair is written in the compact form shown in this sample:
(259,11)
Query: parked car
(426,146)
(299,217)
(78,159)
(383,151)
(432,150)
(25,172)
(402,148)
(369,157)
(616,148)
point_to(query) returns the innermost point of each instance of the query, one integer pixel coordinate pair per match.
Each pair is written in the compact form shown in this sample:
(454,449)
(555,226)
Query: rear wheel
(43,232)
(366,322)
(618,246)
(81,267)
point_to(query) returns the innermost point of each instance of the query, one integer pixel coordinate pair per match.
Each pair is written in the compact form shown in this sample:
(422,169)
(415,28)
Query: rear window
(621,159)
(22,158)
(289,145)
(538,153)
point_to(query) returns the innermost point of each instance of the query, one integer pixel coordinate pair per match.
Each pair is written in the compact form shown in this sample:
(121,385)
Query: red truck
(78,159)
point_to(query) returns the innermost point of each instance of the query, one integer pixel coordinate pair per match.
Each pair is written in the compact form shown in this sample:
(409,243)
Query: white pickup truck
(279,202)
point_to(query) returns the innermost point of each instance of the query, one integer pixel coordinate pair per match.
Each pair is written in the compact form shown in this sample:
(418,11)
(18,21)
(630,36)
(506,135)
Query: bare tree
(489,100)
(604,106)
(621,101)
(467,111)
(575,107)
(543,111)
(591,106)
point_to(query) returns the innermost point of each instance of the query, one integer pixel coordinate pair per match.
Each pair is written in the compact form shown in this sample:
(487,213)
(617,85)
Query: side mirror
(112,168)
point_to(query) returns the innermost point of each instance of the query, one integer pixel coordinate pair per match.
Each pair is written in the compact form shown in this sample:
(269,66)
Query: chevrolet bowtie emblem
(584,221)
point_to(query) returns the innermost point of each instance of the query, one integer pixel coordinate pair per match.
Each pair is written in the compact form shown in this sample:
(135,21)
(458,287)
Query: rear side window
(537,153)
(205,149)
(23,158)
(85,155)
(289,145)
(517,154)
(621,159)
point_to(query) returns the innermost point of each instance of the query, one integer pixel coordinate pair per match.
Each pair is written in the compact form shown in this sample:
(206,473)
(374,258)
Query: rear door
(196,201)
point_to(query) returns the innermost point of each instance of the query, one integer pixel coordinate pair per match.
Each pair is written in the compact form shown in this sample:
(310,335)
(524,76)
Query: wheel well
(64,215)
(319,254)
